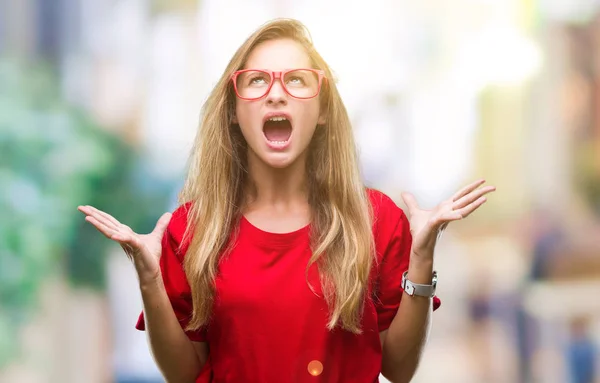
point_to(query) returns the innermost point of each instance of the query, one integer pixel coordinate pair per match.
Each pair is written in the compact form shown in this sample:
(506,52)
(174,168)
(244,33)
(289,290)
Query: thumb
(410,201)
(162,224)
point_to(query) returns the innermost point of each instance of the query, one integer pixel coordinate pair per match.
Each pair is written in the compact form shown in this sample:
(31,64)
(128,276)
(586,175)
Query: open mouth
(277,130)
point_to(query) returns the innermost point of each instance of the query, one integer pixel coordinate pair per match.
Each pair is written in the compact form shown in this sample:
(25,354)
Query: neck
(277,187)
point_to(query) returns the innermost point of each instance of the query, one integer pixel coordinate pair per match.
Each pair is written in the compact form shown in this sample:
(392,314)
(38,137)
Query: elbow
(400,371)
(182,367)
(401,364)
(398,377)
(180,375)
(180,379)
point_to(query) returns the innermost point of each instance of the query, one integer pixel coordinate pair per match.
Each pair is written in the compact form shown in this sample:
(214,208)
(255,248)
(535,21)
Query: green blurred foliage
(52,158)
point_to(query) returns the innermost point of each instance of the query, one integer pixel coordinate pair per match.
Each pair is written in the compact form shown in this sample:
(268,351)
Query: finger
(465,211)
(162,224)
(91,212)
(410,201)
(106,216)
(467,189)
(472,197)
(101,226)
(451,216)
(113,221)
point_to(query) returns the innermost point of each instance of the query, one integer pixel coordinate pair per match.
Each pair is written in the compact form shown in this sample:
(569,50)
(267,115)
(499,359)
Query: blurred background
(100,101)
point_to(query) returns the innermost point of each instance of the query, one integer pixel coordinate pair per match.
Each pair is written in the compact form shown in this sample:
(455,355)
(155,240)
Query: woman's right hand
(144,250)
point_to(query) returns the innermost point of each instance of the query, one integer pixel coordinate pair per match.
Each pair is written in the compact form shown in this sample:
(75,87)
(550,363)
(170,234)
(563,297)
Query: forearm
(172,349)
(407,334)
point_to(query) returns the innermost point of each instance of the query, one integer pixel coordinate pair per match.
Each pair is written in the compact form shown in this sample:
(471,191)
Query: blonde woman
(279,265)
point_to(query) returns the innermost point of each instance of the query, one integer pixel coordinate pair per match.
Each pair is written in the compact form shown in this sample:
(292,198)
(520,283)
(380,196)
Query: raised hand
(427,225)
(144,250)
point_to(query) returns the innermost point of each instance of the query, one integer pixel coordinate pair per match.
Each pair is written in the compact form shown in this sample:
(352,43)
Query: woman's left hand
(426,226)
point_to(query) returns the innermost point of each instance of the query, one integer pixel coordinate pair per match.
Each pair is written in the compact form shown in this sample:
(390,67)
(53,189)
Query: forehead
(278,54)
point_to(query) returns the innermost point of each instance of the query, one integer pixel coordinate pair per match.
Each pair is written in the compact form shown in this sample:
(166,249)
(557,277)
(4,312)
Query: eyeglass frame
(277,75)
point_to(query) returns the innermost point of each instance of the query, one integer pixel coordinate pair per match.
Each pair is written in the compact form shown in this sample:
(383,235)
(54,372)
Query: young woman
(279,265)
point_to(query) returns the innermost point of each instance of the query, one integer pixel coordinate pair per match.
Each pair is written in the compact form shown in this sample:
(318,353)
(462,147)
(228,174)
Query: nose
(277,94)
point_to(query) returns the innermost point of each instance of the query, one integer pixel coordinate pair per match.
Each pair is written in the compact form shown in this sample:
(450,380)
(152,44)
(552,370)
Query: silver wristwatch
(420,290)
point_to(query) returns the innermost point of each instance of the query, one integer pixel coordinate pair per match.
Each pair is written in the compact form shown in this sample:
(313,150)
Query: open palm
(427,224)
(144,250)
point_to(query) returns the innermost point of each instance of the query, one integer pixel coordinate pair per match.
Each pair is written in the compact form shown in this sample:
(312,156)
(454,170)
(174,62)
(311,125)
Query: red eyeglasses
(253,84)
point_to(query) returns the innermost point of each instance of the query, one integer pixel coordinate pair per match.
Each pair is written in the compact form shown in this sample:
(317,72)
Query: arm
(178,358)
(179,355)
(403,320)
(404,341)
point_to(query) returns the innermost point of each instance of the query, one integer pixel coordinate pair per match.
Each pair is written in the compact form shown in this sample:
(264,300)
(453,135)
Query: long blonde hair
(341,231)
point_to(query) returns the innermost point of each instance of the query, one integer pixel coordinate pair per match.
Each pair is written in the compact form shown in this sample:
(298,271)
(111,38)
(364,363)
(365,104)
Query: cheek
(242,119)
(244,115)
(310,117)
(239,113)
(308,109)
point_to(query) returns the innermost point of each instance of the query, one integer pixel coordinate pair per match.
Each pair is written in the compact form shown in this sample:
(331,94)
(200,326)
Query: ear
(234,119)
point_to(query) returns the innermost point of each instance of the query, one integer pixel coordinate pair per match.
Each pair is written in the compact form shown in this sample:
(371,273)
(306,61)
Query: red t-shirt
(267,325)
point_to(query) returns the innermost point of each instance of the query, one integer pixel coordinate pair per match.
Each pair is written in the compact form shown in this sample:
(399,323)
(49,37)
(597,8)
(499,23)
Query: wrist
(420,270)
(424,253)
(151,284)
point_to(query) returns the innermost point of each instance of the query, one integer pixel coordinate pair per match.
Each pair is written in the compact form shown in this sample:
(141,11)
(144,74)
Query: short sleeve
(173,274)
(393,242)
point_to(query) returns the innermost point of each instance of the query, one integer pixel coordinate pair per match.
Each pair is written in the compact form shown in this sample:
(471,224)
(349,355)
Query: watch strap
(419,289)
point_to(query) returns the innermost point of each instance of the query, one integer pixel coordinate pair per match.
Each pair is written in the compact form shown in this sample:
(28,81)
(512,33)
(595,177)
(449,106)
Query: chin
(278,161)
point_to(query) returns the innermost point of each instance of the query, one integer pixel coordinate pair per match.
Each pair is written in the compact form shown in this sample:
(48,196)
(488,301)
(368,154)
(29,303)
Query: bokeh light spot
(315,368)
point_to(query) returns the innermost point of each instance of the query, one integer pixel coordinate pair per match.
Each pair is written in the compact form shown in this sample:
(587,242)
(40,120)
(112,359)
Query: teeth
(276,119)
(278,142)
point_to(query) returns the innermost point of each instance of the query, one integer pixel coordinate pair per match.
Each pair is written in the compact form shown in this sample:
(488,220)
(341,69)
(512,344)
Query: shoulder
(391,228)
(177,226)
(386,213)
(179,219)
